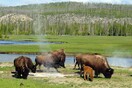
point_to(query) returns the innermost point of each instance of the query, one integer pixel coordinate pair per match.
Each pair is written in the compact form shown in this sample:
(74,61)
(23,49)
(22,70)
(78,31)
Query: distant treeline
(70,18)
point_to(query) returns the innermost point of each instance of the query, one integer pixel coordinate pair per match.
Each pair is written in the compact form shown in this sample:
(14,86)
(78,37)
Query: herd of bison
(90,65)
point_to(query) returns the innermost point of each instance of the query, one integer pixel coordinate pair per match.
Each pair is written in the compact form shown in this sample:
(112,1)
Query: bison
(78,58)
(99,64)
(47,61)
(88,71)
(23,65)
(59,57)
(54,59)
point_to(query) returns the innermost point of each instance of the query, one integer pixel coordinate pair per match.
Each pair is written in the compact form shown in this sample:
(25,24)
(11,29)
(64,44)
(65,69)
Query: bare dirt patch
(46,75)
(6,64)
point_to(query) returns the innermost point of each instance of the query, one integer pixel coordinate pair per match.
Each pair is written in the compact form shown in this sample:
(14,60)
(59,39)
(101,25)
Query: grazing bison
(54,59)
(23,65)
(88,71)
(98,63)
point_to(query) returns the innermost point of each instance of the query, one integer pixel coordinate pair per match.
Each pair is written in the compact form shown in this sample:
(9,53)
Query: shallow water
(8,42)
(11,57)
(118,61)
(113,61)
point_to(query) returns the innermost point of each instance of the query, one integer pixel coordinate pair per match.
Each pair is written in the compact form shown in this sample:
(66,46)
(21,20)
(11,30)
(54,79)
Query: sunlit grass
(20,83)
(121,78)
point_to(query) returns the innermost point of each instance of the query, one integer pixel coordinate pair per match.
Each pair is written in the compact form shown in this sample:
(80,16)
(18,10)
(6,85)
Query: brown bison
(99,64)
(88,71)
(54,59)
(46,60)
(78,58)
(23,65)
(59,57)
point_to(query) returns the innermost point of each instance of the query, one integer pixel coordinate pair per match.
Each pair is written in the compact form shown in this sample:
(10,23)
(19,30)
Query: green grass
(121,78)
(20,83)
(6,68)
(107,45)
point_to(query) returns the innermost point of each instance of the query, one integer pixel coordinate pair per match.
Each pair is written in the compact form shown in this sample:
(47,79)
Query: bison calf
(88,71)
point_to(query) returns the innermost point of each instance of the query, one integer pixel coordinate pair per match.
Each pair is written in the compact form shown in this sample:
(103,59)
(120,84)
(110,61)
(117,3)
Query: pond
(27,42)
(113,61)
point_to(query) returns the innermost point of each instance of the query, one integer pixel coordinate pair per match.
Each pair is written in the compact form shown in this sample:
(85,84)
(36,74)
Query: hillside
(15,18)
(72,18)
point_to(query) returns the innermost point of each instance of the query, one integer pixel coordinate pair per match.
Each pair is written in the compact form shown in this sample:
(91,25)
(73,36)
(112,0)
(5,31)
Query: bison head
(108,73)
(62,64)
(60,59)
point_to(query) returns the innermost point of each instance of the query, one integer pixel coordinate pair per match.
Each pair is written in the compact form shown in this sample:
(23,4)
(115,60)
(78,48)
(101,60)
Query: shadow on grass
(14,74)
(78,72)
(39,71)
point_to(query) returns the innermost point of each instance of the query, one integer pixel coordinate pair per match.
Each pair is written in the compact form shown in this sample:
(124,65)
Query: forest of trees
(68,18)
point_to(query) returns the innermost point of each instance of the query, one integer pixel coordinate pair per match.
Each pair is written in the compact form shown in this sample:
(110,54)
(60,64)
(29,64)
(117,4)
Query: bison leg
(81,71)
(18,72)
(91,76)
(57,70)
(78,66)
(39,66)
(96,74)
(25,74)
(56,66)
(48,68)
(36,64)
(63,65)
(85,76)
(75,65)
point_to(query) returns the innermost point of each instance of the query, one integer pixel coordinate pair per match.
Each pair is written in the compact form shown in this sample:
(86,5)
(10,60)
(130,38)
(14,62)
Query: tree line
(70,18)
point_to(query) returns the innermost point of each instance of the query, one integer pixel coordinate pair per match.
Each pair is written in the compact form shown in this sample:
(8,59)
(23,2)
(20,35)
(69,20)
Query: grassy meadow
(121,78)
(81,28)
(106,45)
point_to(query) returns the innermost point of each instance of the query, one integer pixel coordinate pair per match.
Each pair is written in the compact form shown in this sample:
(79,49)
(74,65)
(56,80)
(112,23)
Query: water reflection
(113,61)
(8,42)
